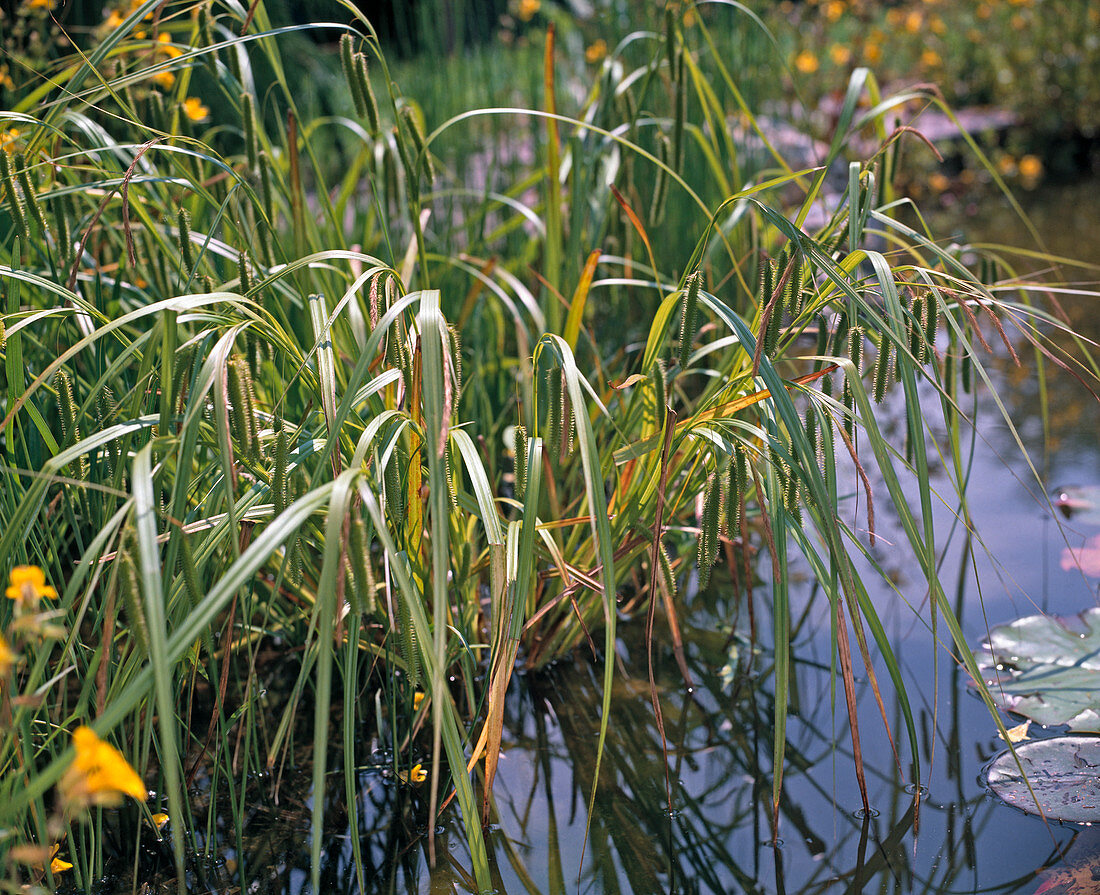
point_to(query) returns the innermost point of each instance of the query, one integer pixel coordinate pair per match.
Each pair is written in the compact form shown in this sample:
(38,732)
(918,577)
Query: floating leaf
(1047,669)
(1064,774)
(1018,733)
(1081,502)
(1086,558)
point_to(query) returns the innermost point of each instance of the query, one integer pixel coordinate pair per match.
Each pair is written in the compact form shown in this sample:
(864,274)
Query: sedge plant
(292,384)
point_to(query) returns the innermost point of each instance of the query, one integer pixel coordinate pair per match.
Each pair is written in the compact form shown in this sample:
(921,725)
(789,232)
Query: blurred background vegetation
(1038,60)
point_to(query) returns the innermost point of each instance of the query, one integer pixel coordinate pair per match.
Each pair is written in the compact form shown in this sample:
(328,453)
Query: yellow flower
(414,776)
(8,138)
(47,5)
(528,8)
(596,51)
(56,864)
(834,9)
(28,584)
(164,45)
(840,54)
(7,657)
(159,820)
(115,19)
(134,4)
(99,775)
(913,21)
(418,698)
(5,78)
(1030,167)
(36,856)
(930,58)
(806,62)
(164,79)
(872,52)
(194,109)
(939,182)
(938,25)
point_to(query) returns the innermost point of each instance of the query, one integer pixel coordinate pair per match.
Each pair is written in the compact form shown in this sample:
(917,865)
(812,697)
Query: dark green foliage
(660,182)
(660,392)
(680,113)
(251,144)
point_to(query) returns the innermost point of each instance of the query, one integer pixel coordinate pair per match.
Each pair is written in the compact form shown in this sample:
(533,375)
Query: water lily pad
(1085,559)
(1080,502)
(1047,669)
(1064,773)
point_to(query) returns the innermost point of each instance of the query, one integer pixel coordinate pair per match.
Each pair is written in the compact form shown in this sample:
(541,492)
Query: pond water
(718,734)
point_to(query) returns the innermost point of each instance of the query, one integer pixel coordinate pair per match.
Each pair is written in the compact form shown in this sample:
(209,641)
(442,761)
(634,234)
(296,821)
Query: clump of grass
(412,427)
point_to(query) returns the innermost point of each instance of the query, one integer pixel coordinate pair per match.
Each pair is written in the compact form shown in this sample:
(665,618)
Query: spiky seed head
(884,369)
(708,528)
(519,459)
(689,311)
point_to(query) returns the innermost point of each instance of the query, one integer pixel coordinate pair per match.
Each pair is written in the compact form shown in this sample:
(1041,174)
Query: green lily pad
(1046,669)
(1081,502)
(1064,773)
